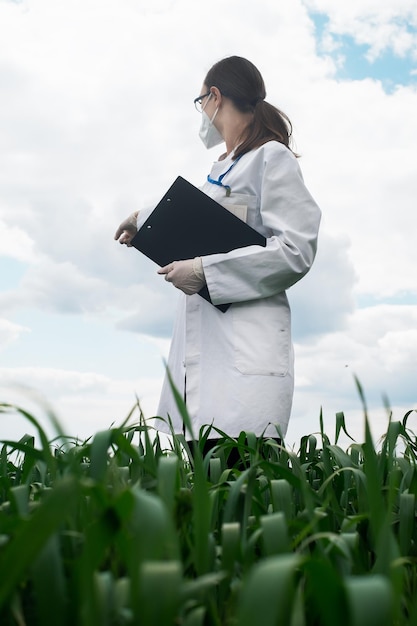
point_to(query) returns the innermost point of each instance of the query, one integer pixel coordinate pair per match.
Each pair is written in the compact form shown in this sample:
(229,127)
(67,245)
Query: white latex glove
(185,275)
(127,229)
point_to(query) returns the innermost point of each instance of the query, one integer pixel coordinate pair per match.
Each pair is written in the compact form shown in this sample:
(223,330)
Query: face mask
(209,134)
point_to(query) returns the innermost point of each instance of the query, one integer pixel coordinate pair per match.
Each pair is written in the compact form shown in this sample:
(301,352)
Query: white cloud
(323,300)
(360,166)
(373,348)
(380,24)
(378,347)
(81,402)
(15,243)
(9,332)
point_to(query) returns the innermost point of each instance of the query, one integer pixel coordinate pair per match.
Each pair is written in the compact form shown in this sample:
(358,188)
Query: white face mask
(209,134)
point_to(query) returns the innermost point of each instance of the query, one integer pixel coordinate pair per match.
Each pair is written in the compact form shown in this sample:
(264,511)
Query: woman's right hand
(127,229)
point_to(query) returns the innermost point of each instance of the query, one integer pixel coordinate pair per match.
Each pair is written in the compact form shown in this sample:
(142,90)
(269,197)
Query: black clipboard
(187,223)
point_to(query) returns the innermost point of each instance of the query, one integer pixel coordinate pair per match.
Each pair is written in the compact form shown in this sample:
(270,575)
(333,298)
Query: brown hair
(239,80)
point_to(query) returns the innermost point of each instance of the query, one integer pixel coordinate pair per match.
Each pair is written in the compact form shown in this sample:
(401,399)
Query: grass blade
(269,592)
(370,601)
(275,534)
(49,583)
(407,516)
(158,594)
(33,534)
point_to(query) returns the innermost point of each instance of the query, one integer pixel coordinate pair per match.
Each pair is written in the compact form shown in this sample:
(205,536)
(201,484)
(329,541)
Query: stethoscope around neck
(219,181)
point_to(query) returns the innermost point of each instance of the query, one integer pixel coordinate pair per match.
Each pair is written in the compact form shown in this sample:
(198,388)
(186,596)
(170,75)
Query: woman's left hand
(185,275)
(127,229)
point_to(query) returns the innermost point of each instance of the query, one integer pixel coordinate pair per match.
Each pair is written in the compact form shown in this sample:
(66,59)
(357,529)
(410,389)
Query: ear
(217,95)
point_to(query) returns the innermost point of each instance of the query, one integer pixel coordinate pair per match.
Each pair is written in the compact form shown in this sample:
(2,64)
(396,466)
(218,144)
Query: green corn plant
(115,530)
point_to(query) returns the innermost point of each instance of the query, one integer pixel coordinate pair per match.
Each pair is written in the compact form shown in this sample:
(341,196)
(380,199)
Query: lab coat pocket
(262,337)
(239,204)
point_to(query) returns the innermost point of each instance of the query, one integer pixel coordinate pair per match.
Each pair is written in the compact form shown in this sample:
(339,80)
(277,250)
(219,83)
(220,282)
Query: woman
(235,369)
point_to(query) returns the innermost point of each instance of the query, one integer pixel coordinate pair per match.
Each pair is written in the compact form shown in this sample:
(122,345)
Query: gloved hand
(185,275)
(127,229)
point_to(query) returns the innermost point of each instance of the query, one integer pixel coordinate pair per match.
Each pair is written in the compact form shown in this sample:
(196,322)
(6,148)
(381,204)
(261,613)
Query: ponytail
(269,124)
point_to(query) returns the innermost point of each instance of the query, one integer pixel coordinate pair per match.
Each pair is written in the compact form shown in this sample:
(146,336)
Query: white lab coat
(235,369)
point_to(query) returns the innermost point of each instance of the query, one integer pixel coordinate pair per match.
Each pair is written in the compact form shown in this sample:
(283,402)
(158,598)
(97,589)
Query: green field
(117,531)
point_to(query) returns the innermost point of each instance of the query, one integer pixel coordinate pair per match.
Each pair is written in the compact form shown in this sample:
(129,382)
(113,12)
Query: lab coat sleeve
(291,217)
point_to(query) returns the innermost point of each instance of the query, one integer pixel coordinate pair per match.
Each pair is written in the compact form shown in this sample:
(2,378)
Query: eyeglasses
(198,102)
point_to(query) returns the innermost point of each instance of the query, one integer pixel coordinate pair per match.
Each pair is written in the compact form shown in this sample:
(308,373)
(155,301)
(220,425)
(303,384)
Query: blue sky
(390,69)
(97,120)
(354,60)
